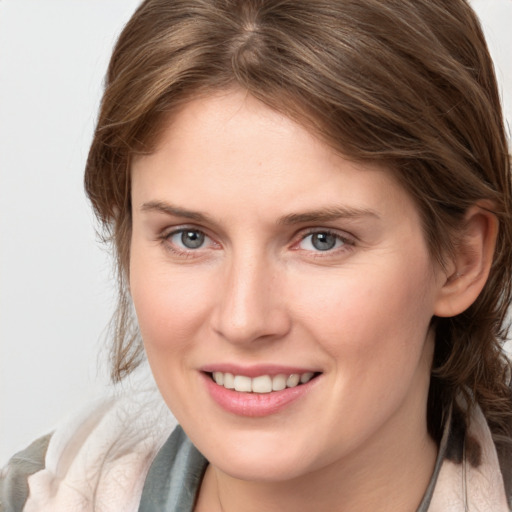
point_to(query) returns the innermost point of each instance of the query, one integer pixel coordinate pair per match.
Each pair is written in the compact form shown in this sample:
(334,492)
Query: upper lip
(257,370)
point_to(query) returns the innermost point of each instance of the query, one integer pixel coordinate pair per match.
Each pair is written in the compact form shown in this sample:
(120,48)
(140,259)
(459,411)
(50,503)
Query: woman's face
(262,258)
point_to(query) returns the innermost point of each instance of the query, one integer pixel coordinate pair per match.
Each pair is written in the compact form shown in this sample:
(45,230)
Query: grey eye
(191,239)
(323,241)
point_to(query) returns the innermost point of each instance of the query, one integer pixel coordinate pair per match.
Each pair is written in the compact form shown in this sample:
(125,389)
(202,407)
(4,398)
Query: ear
(470,266)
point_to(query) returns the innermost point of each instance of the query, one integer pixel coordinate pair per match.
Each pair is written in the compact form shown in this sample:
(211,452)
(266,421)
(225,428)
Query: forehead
(230,151)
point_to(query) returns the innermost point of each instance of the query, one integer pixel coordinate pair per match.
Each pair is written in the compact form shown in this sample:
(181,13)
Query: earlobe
(471,263)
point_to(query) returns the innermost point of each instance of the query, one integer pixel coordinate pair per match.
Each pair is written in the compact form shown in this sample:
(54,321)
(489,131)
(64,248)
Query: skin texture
(258,292)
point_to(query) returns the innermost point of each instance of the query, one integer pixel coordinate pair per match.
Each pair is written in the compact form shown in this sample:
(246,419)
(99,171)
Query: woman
(310,209)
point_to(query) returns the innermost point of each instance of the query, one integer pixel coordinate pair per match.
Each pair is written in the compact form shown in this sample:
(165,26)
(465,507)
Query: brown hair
(409,83)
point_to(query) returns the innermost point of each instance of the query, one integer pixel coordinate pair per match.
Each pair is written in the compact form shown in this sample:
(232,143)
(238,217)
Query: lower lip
(256,404)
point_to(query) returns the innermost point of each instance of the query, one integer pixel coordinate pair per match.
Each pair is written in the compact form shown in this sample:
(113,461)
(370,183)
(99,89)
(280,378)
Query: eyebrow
(169,209)
(328,214)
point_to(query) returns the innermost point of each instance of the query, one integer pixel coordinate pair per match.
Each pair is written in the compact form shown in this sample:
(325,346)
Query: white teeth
(262,383)
(279,382)
(229,381)
(306,377)
(243,383)
(293,380)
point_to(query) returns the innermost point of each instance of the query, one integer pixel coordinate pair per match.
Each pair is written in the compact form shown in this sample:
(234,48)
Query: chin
(257,469)
(261,459)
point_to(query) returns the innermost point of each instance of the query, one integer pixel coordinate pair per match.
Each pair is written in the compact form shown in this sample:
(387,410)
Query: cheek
(374,317)
(170,304)
(374,330)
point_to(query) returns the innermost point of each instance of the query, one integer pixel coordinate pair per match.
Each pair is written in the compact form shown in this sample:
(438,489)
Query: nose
(251,305)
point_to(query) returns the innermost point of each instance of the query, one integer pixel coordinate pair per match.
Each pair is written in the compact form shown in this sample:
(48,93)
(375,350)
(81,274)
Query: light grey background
(56,292)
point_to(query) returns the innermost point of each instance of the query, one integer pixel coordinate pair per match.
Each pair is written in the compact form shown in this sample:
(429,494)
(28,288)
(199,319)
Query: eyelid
(331,231)
(172,230)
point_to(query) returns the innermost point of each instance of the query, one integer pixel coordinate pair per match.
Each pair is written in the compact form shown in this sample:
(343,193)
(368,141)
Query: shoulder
(470,476)
(96,460)
(14,477)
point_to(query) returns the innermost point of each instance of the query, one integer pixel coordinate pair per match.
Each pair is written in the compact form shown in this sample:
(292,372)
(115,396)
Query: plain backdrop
(56,287)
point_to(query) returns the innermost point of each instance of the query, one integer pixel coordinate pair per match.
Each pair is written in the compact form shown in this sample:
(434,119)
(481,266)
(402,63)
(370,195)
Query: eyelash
(347,242)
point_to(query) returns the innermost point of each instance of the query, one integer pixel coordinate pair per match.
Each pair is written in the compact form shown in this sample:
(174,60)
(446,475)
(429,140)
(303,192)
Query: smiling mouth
(261,383)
